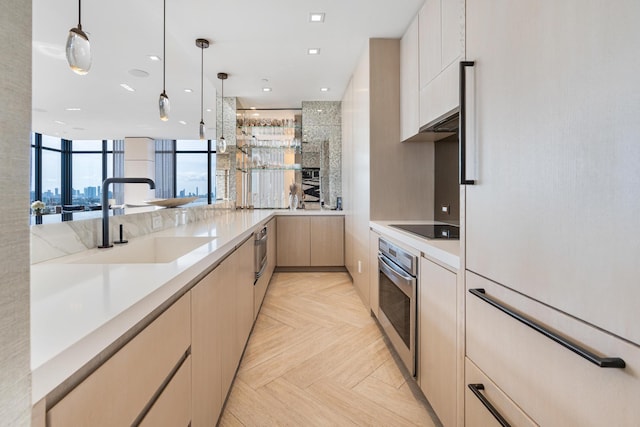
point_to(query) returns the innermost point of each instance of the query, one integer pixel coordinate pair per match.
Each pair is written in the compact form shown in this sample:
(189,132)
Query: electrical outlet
(157,222)
(445,209)
(359,266)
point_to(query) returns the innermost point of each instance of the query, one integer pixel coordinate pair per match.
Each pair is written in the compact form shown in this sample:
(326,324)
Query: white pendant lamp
(222,144)
(78,48)
(202,44)
(163,102)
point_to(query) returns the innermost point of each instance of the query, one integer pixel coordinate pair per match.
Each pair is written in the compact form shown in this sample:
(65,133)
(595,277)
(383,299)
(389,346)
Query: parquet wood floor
(316,357)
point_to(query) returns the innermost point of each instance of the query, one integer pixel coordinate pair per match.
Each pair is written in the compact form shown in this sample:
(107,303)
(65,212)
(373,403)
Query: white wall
(15,126)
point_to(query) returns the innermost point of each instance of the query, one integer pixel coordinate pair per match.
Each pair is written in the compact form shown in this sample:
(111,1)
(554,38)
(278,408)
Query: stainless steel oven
(260,251)
(398,270)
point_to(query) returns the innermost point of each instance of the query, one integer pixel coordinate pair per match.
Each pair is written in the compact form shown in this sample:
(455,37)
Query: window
(194,163)
(68,175)
(92,163)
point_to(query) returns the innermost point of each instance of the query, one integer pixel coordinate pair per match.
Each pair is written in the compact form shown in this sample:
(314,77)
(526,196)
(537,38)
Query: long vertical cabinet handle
(463,123)
(602,362)
(475,388)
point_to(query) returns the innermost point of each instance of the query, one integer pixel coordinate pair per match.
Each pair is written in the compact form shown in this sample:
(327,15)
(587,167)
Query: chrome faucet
(105,202)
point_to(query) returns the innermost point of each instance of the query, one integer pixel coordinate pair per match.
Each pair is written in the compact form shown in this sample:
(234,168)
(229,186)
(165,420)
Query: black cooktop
(431,231)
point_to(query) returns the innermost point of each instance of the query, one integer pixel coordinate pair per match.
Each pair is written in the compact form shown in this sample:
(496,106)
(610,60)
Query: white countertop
(442,250)
(79,310)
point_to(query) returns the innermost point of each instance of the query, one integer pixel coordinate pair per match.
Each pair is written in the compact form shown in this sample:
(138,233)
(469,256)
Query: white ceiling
(251,40)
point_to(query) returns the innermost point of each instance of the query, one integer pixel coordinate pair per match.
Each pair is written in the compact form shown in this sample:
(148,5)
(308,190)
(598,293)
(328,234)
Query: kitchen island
(83,313)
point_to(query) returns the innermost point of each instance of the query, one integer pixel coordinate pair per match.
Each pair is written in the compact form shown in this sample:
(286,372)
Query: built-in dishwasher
(260,251)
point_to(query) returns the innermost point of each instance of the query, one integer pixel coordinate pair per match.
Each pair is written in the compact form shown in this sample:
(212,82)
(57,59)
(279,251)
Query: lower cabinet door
(173,407)
(486,405)
(437,339)
(119,390)
(552,383)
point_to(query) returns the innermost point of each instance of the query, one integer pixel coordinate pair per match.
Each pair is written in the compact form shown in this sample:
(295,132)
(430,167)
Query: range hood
(441,128)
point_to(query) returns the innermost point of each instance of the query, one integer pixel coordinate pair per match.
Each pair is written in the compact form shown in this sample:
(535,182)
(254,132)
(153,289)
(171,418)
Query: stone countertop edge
(440,250)
(63,343)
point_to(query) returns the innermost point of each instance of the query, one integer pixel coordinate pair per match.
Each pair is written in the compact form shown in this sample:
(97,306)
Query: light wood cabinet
(437,308)
(207,330)
(327,241)
(119,390)
(173,407)
(294,242)
(441,47)
(552,384)
(222,320)
(409,83)
(477,414)
(374,275)
(244,280)
(555,203)
(310,241)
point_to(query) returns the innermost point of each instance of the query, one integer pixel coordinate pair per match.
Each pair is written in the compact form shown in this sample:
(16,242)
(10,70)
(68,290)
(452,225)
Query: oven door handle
(404,282)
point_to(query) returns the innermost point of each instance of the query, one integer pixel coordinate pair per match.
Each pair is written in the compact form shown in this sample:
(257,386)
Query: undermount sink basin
(148,251)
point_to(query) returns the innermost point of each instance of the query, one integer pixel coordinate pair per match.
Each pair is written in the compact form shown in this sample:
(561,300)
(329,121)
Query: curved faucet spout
(105,202)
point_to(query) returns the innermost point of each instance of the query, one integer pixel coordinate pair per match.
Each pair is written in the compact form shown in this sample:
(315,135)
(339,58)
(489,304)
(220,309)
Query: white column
(139,162)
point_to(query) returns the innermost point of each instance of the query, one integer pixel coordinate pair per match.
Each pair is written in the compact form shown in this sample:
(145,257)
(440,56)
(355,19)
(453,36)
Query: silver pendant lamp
(163,102)
(202,44)
(222,144)
(78,48)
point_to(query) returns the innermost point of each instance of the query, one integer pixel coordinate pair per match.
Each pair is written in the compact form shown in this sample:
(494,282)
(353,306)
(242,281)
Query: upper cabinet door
(555,210)
(409,83)
(430,41)
(442,42)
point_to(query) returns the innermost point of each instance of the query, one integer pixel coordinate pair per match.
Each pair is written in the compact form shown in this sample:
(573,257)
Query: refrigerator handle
(463,124)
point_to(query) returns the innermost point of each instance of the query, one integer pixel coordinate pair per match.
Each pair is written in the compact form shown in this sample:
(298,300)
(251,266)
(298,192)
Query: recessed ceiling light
(324,89)
(316,17)
(138,73)
(313,51)
(188,90)
(182,122)
(73,109)
(154,57)
(59,122)
(209,110)
(266,89)
(127,87)
(319,111)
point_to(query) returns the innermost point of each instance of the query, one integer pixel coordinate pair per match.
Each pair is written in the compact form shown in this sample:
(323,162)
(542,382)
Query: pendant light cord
(164,45)
(79,14)
(202,82)
(222,113)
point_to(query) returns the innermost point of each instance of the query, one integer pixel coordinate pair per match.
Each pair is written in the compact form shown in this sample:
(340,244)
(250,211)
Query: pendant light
(222,144)
(163,102)
(78,48)
(202,44)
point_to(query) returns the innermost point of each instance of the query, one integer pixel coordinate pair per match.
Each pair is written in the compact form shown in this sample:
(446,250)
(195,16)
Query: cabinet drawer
(475,411)
(553,385)
(117,392)
(173,407)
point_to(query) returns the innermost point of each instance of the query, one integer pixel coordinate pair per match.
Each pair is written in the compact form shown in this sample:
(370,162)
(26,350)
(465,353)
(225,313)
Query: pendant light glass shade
(165,106)
(202,44)
(222,143)
(78,49)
